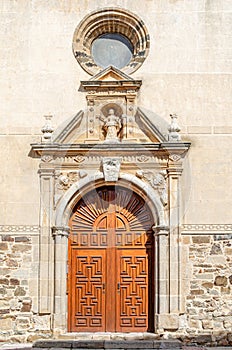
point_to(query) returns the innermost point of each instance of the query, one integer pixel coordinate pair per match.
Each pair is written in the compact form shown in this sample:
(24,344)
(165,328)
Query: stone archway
(61,233)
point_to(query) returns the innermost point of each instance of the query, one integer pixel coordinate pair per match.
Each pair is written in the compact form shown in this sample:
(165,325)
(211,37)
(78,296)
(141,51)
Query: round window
(111,37)
(112,49)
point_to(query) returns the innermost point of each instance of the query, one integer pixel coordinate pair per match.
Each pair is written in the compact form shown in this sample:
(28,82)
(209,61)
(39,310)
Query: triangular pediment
(148,129)
(111,74)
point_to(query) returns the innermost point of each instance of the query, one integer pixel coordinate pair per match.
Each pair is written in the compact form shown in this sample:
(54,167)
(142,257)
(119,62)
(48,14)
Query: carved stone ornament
(46,158)
(111,167)
(112,126)
(174,129)
(143,158)
(79,159)
(157,181)
(47,129)
(175,157)
(65,180)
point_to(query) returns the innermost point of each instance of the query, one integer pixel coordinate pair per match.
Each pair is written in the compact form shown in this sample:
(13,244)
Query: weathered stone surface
(207,285)
(21,248)
(22,323)
(20,291)
(11,263)
(197,291)
(41,323)
(216,249)
(207,324)
(14,282)
(201,239)
(3,246)
(22,239)
(230,279)
(4,281)
(26,307)
(7,238)
(220,281)
(5,324)
(129,344)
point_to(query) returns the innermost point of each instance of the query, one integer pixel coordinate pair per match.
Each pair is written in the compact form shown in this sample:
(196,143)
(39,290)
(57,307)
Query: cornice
(165,148)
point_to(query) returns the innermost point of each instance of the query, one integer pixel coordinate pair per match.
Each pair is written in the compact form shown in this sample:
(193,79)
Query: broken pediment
(110,128)
(112,120)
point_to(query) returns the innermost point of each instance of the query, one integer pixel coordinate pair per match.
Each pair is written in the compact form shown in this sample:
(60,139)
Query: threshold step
(107,344)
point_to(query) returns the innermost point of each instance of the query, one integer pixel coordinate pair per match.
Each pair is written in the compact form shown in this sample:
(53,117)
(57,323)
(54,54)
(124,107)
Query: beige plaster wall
(187,71)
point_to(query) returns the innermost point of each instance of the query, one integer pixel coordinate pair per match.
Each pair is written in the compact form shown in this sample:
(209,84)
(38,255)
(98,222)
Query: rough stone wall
(19,321)
(209,302)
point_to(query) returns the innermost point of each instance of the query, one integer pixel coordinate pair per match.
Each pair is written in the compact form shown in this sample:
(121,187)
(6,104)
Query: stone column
(60,235)
(174,173)
(161,273)
(46,272)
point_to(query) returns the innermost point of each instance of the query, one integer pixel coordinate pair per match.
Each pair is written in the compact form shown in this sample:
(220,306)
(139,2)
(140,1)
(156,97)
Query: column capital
(160,230)
(60,231)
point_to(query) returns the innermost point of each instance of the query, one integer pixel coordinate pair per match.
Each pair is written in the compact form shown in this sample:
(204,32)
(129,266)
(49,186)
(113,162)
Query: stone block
(207,324)
(19,291)
(6,324)
(3,246)
(22,323)
(167,321)
(41,323)
(48,344)
(128,344)
(216,249)
(201,239)
(197,292)
(207,285)
(220,281)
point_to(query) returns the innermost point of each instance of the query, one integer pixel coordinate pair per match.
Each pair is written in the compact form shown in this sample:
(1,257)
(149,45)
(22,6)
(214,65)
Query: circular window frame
(105,21)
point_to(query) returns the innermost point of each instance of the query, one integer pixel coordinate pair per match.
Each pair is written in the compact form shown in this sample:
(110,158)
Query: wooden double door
(110,263)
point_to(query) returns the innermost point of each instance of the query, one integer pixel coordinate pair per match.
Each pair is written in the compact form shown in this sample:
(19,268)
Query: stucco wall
(186,71)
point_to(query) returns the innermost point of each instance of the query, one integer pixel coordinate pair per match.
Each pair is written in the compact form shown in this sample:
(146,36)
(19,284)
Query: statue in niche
(112,126)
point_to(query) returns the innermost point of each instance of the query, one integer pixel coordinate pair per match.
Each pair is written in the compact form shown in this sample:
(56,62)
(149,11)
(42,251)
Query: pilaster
(46,241)
(60,235)
(162,263)
(174,172)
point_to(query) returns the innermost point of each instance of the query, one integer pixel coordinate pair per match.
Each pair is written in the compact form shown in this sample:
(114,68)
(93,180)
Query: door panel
(132,293)
(88,290)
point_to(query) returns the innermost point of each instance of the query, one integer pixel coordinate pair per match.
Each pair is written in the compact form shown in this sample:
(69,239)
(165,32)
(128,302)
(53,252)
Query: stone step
(106,344)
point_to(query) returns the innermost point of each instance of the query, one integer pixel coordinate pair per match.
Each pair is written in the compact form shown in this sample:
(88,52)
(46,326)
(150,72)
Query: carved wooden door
(109,254)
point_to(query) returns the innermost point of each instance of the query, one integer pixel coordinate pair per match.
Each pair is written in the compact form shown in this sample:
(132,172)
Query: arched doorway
(111,269)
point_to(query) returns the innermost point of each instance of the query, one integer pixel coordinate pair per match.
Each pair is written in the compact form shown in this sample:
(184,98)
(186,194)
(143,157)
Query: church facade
(116,207)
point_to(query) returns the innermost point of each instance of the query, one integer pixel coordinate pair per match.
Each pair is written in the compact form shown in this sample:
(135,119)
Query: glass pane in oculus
(112,50)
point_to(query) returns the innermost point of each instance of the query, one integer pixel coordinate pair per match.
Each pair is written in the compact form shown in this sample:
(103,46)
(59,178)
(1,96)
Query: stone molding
(206,229)
(105,21)
(60,231)
(19,229)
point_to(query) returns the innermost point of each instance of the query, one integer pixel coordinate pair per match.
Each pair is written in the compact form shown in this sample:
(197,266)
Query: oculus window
(112,49)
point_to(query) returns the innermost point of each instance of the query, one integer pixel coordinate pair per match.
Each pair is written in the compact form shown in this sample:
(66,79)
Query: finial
(174,129)
(47,129)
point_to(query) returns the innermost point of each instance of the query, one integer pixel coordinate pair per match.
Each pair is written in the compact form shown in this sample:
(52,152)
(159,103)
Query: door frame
(61,232)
